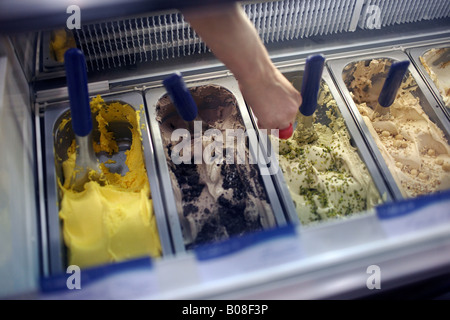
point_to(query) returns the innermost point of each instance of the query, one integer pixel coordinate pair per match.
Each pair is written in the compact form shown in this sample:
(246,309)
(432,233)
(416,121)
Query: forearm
(232,38)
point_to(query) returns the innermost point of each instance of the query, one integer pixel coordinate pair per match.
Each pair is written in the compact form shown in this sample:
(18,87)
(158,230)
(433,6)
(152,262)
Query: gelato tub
(54,44)
(118,217)
(333,176)
(411,142)
(211,200)
(433,63)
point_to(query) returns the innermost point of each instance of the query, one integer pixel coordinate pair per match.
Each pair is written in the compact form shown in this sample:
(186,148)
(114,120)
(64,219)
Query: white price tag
(415,214)
(126,280)
(248,253)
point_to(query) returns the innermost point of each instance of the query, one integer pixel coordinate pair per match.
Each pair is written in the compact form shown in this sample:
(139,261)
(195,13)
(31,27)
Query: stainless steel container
(152,97)
(293,71)
(428,103)
(415,54)
(56,144)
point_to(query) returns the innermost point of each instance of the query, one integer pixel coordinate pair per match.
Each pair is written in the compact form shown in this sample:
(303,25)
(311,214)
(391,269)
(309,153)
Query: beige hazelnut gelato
(414,148)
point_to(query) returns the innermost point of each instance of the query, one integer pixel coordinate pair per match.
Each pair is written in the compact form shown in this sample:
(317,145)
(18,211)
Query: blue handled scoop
(312,77)
(182,99)
(86,167)
(391,85)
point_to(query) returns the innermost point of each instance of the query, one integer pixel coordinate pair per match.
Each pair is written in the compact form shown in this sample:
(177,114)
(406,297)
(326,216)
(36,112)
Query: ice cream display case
(329,218)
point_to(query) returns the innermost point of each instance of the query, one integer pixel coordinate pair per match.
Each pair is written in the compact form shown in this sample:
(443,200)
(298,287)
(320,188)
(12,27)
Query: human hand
(272,98)
(234,40)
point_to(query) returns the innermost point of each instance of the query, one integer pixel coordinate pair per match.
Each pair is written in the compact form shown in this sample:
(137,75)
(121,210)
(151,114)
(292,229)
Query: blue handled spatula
(391,85)
(182,99)
(309,91)
(86,167)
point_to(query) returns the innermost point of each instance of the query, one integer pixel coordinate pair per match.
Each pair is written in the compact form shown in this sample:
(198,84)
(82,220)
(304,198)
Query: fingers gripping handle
(286,133)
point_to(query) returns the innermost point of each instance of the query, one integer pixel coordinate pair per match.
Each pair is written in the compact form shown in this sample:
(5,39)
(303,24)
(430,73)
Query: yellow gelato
(61,40)
(113,218)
